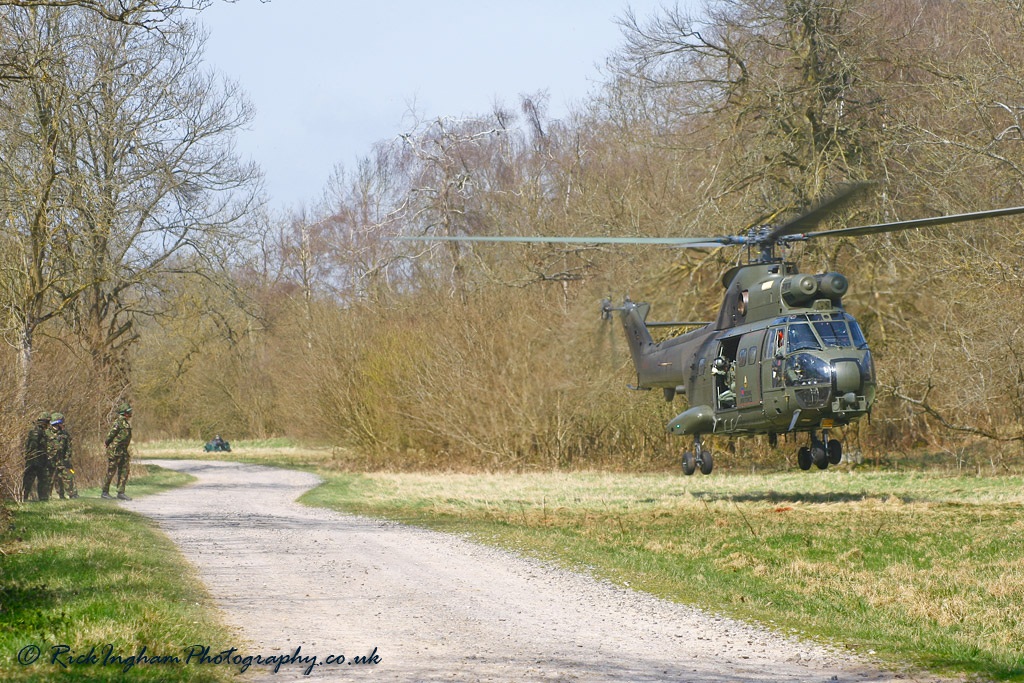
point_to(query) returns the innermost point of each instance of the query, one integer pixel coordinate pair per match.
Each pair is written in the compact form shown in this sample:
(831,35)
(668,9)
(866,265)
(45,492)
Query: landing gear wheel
(689,463)
(706,462)
(835,451)
(819,457)
(803,458)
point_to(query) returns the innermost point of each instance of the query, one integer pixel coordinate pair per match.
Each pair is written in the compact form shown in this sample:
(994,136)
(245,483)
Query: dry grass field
(911,566)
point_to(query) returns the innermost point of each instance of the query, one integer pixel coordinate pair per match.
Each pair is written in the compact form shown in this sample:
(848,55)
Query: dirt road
(437,607)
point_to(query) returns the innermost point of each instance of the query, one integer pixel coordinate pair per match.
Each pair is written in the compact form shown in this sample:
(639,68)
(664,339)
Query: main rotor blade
(918,223)
(692,242)
(818,213)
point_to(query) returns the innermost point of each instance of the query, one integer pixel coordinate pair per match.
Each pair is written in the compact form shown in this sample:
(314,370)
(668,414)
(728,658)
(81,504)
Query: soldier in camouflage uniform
(118,438)
(37,467)
(58,448)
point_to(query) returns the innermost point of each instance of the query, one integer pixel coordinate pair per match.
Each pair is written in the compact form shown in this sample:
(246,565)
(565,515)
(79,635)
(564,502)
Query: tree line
(137,250)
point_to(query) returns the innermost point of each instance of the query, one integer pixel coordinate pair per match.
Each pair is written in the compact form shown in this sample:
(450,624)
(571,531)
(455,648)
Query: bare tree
(780,81)
(34,220)
(118,169)
(153,180)
(143,13)
(441,161)
(159,15)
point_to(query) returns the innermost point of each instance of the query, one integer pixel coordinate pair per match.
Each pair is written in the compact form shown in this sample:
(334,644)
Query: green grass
(85,573)
(153,480)
(914,567)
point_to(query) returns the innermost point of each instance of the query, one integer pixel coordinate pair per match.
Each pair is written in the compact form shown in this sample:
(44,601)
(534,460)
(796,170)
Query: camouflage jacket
(35,444)
(120,435)
(58,445)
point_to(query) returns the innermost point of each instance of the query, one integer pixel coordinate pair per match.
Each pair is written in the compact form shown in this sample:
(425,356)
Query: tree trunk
(24,363)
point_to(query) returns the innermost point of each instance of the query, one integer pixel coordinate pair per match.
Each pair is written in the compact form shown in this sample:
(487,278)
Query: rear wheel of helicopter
(706,462)
(819,456)
(835,451)
(803,458)
(689,463)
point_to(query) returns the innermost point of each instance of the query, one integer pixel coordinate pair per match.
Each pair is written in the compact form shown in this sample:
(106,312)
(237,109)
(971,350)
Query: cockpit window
(833,333)
(858,337)
(801,338)
(803,369)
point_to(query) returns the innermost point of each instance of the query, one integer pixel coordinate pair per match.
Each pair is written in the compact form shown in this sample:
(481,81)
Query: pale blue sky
(329,78)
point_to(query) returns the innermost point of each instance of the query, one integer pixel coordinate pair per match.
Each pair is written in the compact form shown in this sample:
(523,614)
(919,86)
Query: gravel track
(438,607)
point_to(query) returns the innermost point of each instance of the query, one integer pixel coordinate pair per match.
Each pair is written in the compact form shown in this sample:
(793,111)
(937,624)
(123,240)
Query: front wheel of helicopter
(689,463)
(706,462)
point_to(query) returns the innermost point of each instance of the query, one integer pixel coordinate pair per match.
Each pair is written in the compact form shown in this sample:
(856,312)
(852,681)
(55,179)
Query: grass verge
(87,574)
(908,567)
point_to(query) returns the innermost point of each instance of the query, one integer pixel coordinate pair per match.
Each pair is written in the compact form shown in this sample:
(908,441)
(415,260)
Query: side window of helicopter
(776,341)
(701,365)
(802,338)
(752,354)
(858,337)
(742,358)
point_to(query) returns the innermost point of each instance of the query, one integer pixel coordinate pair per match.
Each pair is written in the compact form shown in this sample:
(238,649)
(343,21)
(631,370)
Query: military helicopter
(782,357)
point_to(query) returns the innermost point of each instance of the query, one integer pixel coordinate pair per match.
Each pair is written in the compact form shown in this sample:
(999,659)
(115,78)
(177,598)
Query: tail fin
(634,316)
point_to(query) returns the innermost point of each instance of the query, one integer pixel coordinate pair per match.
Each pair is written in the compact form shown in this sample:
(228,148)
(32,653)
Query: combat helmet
(57,418)
(43,417)
(124,408)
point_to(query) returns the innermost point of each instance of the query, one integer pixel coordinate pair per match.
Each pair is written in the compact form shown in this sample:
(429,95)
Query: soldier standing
(37,467)
(58,448)
(118,438)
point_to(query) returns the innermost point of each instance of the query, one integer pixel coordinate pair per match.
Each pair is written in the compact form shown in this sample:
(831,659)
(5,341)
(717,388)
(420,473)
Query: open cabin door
(748,370)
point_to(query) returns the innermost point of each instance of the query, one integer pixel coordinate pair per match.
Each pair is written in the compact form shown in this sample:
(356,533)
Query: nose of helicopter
(847,376)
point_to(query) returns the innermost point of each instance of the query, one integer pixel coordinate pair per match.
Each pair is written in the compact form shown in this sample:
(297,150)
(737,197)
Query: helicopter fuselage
(783,356)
